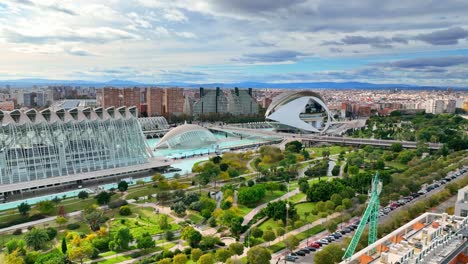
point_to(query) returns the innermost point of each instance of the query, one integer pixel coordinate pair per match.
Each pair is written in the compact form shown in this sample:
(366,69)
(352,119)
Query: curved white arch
(187,136)
(288,113)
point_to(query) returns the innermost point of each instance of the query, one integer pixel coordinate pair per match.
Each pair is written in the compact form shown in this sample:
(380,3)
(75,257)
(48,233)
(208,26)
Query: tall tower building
(154,101)
(174,101)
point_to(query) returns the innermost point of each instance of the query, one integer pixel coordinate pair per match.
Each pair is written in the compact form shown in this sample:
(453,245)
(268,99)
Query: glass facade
(39,145)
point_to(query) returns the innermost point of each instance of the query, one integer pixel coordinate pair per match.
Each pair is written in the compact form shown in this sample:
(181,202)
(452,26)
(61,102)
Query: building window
(464,213)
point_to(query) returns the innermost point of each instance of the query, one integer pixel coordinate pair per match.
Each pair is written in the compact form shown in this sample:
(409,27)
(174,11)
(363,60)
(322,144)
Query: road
(328,139)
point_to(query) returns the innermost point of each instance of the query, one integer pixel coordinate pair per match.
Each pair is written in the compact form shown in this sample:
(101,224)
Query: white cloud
(174,15)
(186,34)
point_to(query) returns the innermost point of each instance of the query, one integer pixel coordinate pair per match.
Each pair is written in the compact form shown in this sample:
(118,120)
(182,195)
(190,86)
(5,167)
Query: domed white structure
(303,110)
(187,136)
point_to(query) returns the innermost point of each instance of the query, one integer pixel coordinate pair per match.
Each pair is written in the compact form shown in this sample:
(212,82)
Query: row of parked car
(395,204)
(316,245)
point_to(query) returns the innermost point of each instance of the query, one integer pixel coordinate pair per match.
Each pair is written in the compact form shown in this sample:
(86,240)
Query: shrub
(117,203)
(125,210)
(18,232)
(51,232)
(73,226)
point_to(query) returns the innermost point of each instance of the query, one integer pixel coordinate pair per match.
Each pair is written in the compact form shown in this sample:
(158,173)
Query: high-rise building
(115,97)
(211,101)
(450,106)
(173,101)
(241,102)
(435,106)
(461,205)
(154,101)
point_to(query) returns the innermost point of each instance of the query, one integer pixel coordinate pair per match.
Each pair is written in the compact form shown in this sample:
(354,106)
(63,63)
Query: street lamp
(287,215)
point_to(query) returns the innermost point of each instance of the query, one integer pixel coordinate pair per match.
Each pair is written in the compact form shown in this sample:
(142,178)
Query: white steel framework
(40,145)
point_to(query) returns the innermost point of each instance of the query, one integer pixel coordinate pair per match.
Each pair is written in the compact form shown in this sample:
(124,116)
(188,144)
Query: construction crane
(371,215)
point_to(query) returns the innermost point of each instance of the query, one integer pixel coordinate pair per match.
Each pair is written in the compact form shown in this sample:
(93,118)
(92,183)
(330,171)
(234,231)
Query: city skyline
(418,43)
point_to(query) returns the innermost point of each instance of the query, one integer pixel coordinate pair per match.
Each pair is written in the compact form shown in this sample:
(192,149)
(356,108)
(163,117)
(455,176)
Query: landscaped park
(233,208)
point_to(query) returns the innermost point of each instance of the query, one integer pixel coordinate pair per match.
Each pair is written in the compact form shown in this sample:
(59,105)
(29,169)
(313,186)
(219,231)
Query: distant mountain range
(25,83)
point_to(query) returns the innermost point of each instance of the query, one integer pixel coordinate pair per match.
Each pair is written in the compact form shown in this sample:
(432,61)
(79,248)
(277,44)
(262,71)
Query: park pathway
(257,209)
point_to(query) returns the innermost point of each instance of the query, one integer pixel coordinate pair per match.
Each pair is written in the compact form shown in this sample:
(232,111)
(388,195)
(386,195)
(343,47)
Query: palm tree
(36,238)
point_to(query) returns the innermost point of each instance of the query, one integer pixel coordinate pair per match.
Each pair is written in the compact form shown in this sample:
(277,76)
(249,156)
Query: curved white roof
(288,107)
(286,97)
(195,136)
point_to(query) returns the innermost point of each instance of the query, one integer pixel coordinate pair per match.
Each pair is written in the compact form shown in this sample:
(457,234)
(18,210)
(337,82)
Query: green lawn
(146,221)
(396,165)
(195,217)
(244,209)
(333,150)
(306,207)
(297,197)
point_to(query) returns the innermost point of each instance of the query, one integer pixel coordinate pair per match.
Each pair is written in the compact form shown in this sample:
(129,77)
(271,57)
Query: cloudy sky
(416,42)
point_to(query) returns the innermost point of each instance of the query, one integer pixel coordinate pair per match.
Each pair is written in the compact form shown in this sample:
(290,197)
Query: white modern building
(51,148)
(187,136)
(461,205)
(301,110)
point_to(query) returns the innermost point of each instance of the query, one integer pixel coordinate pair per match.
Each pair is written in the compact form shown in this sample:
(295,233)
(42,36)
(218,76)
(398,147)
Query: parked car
(315,245)
(324,241)
(290,259)
(311,249)
(293,255)
(300,253)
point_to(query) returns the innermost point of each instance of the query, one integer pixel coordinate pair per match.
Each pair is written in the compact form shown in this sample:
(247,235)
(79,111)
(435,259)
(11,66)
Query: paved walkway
(257,209)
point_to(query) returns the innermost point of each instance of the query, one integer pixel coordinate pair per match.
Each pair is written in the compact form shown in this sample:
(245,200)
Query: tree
(346,202)
(206,259)
(163,222)
(195,254)
(45,207)
(291,242)
(81,252)
(94,217)
(396,147)
(191,235)
(125,210)
(165,261)
(222,255)
(256,232)
(83,195)
(14,258)
(269,236)
(223,166)
(24,208)
(180,258)
(353,170)
(336,199)
(277,211)
(236,248)
(145,242)
(103,198)
(60,220)
(169,235)
(122,238)
(330,205)
(294,146)
(258,255)
(64,246)
(36,238)
(332,226)
(179,208)
(249,196)
(303,185)
(122,186)
(330,254)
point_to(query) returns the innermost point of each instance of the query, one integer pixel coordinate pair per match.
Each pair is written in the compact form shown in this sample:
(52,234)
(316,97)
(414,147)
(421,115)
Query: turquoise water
(35,200)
